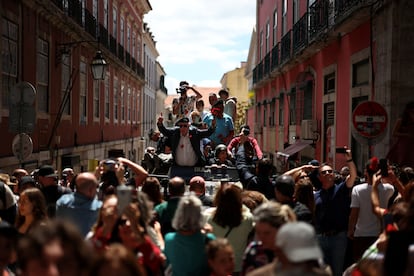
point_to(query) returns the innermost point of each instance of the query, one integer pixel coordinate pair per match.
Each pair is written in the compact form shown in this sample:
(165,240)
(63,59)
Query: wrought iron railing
(112,45)
(266,68)
(275,57)
(121,52)
(300,33)
(318,17)
(286,47)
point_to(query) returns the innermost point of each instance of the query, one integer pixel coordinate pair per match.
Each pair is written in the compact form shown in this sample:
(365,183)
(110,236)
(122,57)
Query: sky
(200,40)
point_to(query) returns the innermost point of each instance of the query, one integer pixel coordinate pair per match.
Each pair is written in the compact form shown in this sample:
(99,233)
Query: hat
(182,120)
(285,185)
(314,162)
(206,142)
(26,180)
(219,102)
(4,177)
(223,91)
(47,171)
(183,83)
(298,242)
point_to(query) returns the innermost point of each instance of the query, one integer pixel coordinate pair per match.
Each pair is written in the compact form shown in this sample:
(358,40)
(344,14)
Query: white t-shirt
(368,224)
(184,154)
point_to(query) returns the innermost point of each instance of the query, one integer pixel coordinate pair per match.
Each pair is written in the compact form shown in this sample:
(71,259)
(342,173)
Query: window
(329,83)
(360,73)
(128,45)
(66,83)
(122,101)
(114,22)
(82,92)
(83,4)
(96,97)
(116,99)
(295,11)
(121,32)
(275,27)
(42,75)
(272,113)
(9,59)
(292,107)
(281,108)
(261,46)
(267,37)
(106,108)
(307,101)
(133,44)
(284,16)
(106,14)
(129,103)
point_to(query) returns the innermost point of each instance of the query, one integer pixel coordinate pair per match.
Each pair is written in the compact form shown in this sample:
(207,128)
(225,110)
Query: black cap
(183,83)
(26,180)
(285,185)
(219,102)
(47,171)
(183,120)
(223,91)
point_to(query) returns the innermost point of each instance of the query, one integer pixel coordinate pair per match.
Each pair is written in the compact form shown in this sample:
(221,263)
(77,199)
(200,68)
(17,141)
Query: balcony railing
(318,17)
(300,33)
(112,45)
(266,68)
(121,52)
(103,36)
(75,10)
(275,57)
(286,47)
(127,59)
(90,24)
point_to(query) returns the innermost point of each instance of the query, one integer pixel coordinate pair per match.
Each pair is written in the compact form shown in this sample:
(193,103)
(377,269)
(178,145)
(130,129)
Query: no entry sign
(369,119)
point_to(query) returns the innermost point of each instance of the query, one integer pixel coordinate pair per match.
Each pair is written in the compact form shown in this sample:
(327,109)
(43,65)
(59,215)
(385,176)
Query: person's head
(223,94)
(195,117)
(304,193)
(253,199)
(188,216)
(344,172)
(68,174)
(32,203)
(284,188)
(220,257)
(297,243)
(8,243)
(47,175)
(183,88)
(245,129)
(371,168)
(19,173)
(197,185)
(154,135)
(218,109)
(206,145)
(26,182)
(152,187)
(56,248)
(86,184)
(200,106)
(108,214)
(326,176)
(229,204)
(221,152)
(212,99)
(116,260)
(268,218)
(183,124)
(176,186)
(264,167)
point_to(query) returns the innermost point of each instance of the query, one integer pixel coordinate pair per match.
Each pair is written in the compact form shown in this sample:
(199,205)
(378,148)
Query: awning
(294,148)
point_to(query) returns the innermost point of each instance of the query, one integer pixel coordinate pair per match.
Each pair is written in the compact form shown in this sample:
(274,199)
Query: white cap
(298,242)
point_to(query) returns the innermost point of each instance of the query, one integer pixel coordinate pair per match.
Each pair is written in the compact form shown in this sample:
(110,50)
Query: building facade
(317,60)
(76,120)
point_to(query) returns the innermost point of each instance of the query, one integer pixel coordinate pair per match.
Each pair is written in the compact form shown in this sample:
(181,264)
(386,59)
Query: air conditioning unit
(308,129)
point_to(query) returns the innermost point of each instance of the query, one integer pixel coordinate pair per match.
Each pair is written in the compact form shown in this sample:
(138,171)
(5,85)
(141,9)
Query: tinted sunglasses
(326,172)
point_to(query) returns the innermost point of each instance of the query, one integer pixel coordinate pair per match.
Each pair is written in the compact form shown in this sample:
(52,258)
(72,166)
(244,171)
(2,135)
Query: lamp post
(98,66)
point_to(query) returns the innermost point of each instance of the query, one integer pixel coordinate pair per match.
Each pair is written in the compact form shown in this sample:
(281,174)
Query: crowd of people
(122,219)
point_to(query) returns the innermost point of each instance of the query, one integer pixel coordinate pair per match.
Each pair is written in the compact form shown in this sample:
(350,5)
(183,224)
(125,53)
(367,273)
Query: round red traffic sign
(369,119)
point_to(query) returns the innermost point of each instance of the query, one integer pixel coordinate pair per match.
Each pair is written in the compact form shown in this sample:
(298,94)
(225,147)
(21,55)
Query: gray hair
(273,213)
(188,216)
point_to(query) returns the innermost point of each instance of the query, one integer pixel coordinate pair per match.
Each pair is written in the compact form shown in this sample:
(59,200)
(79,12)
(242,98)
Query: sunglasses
(303,176)
(326,172)
(181,126)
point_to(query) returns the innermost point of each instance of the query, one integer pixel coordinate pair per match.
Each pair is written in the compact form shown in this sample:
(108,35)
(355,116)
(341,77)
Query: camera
(246,131)
(383,166)
(109,165)
(341,150)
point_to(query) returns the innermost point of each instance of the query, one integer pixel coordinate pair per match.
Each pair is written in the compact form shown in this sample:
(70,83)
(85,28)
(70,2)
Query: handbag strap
(228,232)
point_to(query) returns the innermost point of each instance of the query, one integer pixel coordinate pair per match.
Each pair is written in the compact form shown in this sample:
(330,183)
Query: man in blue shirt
(82,206)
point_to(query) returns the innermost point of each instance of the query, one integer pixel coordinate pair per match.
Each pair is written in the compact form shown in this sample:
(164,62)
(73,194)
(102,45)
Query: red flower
(373,166)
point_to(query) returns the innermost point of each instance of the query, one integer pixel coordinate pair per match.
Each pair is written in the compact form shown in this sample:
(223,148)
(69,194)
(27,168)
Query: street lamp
(98,66)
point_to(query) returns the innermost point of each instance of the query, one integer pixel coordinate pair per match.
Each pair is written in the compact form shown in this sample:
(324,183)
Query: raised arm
(140,173)
(350,180)
(198,94)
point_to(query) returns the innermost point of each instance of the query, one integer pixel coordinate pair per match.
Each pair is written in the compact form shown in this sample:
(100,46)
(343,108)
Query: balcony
(286,47)
(90,24)
(127,59)
(300,34)
(275,57)
(318,18)
(112,45)
(75,11)
(121,52)
(266,68)
(103,36)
